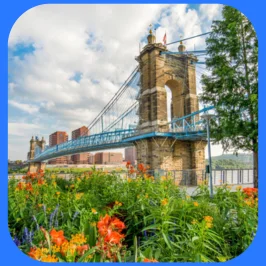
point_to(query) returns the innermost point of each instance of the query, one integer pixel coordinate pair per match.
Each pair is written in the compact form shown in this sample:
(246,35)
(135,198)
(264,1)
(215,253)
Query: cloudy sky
(67,61)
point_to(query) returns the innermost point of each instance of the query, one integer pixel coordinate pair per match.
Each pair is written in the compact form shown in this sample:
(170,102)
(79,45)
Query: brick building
(108,158)
(55,139)
(81,158)
(131,155)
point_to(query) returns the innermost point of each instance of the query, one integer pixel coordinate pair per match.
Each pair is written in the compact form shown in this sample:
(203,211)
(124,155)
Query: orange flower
(250,192)
(81,249)
(29,187)
(114,237)
(40,182)
(57,237)
(128,164)
(164,202)
(150,260)
(195,203)
(20,185)
(32,253)
(141,168)
(107,224)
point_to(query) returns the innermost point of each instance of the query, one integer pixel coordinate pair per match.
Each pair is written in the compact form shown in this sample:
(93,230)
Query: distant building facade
(81,158)
(91,159)
(131,155)
(108,158)
(55,139)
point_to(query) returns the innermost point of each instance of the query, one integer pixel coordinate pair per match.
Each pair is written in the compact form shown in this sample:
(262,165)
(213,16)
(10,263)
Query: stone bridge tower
(35,146)
(177,73)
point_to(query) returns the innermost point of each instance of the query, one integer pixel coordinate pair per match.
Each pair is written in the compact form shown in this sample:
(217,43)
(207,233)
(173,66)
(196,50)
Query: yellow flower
(239,187)
(93,211)
(146,196)
(129,179)
(208,219)
(55,248)
(79,195)
(53,176)
(118,203)
(209,225)
(164,201)
(57,193)
(54,184)
(78,239)
(221,259)
(195,203)
(163,177)
(40,205)
(72,186)
(49,258)
(78,179)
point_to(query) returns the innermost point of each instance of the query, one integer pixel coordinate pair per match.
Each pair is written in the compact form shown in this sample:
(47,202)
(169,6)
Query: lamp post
(208,117)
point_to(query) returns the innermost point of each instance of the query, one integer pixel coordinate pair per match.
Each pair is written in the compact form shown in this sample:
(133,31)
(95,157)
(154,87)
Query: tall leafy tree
(232,87)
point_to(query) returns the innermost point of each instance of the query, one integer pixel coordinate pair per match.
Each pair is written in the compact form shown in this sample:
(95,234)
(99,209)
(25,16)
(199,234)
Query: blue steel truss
(116,125)
(190,127)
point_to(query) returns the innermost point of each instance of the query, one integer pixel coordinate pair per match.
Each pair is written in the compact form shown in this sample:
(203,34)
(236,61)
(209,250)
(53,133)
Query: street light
(208,117)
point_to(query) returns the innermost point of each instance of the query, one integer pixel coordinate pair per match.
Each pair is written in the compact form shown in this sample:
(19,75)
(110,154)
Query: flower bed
(98,216)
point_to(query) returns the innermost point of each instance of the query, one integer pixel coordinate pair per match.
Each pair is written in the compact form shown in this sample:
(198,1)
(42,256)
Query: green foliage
(162,221)
(232,86)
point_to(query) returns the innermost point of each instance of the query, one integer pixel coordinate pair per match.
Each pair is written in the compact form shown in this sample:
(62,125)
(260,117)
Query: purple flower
(17,241)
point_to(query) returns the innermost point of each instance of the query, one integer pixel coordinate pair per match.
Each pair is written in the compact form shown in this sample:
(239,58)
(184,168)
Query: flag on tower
(164,39)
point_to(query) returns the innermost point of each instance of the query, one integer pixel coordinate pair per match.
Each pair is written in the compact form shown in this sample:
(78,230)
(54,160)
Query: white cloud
(98,41)
(31,109)
(22,129)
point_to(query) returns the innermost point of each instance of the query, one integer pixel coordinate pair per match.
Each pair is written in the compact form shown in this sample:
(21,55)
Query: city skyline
(60,80)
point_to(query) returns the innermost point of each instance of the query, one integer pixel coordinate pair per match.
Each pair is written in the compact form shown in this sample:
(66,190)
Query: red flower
(141,168)
(32,253)
(114,237)
(128,164)
(20,185)
(40,181)
(29,187)
(57,237)
(148,260)
(107,224)
(81,249)
(250,192)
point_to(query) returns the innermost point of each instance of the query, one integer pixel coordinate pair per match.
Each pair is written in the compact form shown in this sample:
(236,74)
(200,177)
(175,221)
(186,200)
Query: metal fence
(197,177)
(189,177)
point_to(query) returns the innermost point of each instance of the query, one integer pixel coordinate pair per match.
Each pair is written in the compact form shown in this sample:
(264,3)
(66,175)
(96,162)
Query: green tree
(232,87)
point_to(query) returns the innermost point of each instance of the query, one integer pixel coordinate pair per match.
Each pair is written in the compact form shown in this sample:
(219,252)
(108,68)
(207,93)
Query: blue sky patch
(22,49)
(77,76)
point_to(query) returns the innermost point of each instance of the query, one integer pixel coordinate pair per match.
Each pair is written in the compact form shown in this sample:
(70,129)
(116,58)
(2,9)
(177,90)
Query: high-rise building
(55,139)
(81,158)
(108,158)
(131,155)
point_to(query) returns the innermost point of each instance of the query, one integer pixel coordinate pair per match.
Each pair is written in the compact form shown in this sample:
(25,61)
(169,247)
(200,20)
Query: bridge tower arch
(178,73)
(36,145)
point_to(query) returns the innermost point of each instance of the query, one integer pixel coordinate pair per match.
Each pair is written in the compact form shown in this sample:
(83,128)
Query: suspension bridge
(137,114)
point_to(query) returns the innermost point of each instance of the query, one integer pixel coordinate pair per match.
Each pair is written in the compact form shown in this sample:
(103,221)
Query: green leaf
(90,251)
(167,241)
